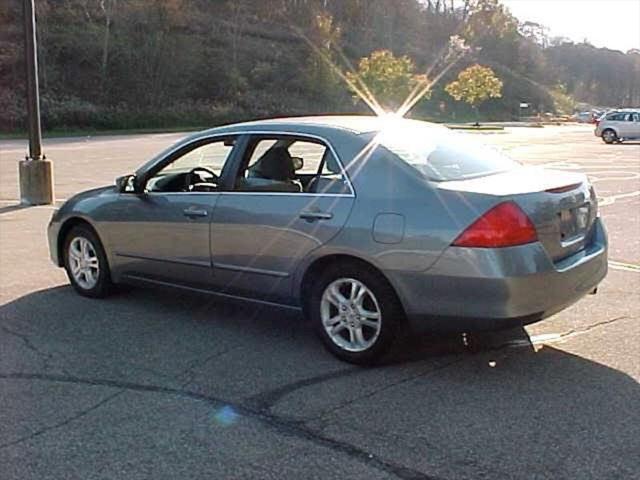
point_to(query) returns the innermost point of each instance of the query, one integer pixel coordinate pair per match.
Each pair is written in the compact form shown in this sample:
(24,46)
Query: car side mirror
(298,163)
(126,184)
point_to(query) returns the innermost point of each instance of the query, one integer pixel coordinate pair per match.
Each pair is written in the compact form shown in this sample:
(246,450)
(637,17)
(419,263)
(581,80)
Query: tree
(474,85)
(562,102)
(321,78)
(536,32)
(489,21)
(390,79)
(107,7)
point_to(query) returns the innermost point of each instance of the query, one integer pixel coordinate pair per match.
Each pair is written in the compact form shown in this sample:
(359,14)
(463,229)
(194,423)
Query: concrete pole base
(36,182)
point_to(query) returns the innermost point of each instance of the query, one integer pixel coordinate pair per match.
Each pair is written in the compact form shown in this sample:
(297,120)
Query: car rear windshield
(441,155)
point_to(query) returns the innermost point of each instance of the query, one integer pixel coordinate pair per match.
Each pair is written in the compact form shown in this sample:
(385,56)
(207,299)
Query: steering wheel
(189,177)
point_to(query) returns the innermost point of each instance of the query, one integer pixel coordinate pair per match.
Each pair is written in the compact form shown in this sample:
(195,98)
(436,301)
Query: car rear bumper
(482,289)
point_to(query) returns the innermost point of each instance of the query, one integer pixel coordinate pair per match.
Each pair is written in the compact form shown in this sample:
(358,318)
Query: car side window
(615,117)
(330,178)
(198,169)
(311,155)
(290,165)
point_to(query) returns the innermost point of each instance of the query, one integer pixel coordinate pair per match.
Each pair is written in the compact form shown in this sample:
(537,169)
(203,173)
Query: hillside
(166,63)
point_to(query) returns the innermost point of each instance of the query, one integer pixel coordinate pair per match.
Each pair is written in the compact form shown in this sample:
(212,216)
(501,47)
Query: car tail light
(505,225)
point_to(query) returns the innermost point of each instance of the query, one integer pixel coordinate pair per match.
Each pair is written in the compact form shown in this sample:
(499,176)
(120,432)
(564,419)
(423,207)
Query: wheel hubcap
(350,314)
(84,263)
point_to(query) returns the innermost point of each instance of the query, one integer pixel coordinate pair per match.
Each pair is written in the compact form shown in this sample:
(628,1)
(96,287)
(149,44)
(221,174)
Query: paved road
(153,384)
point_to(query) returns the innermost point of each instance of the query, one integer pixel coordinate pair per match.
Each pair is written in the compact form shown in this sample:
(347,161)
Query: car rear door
(258,238)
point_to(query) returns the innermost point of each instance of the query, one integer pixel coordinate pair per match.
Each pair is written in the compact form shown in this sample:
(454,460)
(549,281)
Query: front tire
(86,263)
(609,136)
(356,312)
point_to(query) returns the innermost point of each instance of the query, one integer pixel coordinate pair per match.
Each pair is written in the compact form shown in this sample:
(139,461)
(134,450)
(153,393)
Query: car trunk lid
(561,205)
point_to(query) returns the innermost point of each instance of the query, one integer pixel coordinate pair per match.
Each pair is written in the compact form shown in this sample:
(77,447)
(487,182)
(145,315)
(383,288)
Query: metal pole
(35,172)
(33,95)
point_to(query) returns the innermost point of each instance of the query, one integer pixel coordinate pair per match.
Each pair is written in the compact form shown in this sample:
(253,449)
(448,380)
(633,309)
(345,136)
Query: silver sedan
(368,225)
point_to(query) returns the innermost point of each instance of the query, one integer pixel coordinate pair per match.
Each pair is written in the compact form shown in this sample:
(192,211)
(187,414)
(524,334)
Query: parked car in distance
(583,117)
(368,225)
(589,116)
(619,125)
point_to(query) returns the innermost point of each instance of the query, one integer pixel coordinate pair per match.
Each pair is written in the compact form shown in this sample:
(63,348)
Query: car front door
(268,223)
(162,232)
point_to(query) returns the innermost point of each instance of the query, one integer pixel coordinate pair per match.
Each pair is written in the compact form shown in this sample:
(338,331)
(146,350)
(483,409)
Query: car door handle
(307,215)
(194,212)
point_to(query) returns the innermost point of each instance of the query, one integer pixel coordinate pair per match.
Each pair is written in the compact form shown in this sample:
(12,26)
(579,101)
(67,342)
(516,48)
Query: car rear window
(441,155)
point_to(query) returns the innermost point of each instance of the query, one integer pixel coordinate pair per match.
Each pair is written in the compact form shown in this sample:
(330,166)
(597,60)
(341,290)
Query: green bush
(72,113)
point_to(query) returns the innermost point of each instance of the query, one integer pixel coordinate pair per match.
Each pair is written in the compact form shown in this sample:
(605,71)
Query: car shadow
(13,208)
(60,309)
(178,310)
(489,404)
(629,142)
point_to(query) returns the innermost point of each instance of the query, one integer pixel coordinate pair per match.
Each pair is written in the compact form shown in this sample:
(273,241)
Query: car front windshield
(441,155)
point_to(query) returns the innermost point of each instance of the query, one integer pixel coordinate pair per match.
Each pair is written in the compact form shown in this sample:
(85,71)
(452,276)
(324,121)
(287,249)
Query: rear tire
(86,263)
(355,312)
(609,136)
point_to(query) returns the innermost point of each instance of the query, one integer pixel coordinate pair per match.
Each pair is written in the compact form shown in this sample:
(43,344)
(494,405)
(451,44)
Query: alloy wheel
(350,314)
(609,136)
(84,263)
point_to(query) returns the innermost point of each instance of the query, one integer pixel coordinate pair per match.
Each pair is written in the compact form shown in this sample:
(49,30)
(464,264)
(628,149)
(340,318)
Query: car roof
(356,124)
(326,127)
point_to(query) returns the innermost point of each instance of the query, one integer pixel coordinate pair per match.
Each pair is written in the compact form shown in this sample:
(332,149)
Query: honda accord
(368,225)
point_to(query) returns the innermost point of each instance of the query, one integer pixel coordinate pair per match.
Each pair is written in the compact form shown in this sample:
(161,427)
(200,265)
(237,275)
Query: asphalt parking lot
(155,384)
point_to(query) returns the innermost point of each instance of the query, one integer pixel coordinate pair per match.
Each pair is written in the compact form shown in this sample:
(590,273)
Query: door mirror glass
(126,184)
(298,163)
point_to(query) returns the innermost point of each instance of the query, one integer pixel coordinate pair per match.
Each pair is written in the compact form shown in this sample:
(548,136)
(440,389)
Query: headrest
(275,164)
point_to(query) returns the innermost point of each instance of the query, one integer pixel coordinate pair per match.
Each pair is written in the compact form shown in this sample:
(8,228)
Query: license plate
(573,222)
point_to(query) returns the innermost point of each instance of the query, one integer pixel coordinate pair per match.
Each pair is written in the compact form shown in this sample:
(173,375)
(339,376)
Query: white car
(619,125)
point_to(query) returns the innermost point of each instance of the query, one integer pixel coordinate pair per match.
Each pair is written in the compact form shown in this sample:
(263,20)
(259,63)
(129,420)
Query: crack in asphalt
(63,423)
(557,337)
(479,469)
(588,328)
(426,373)
(189,372)
(265,401)
(279,424)
(48,359)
